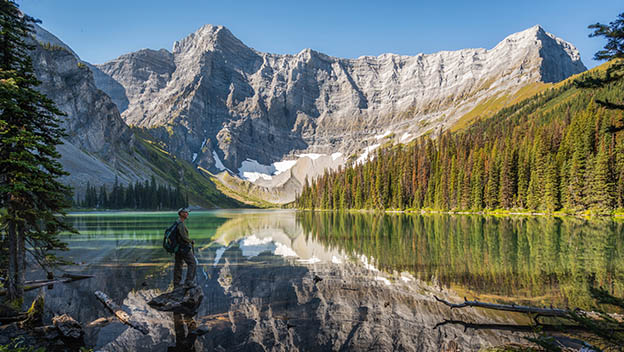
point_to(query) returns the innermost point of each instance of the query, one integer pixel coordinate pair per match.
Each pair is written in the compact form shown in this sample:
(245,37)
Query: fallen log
(547,312)
(75,277)
(13,319)
(65,278)
(120,313)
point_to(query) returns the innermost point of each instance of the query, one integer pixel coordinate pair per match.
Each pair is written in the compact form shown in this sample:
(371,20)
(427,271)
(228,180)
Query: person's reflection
(183,326)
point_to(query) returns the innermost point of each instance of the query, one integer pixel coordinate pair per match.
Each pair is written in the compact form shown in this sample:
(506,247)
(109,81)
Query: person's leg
(191,267)
(177,269)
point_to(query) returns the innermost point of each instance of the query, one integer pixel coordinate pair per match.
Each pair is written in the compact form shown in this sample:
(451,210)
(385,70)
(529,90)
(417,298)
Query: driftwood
(120,313)
(65,278)
(546,312)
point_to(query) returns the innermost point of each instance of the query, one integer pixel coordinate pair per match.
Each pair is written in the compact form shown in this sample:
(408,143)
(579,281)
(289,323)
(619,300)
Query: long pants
(191,266)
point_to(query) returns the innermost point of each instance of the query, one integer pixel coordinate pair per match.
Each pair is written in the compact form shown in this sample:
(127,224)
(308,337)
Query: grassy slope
(493,105)
(201,190)
(239,190)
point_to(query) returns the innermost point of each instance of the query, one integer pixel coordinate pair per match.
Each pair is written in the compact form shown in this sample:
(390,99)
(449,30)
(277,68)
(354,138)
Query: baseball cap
(186,210)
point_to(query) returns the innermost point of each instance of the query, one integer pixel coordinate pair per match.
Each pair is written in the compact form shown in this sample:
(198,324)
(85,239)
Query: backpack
(170,242)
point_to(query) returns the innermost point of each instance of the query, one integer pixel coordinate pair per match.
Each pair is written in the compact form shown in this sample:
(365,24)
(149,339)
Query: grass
(200,189)
(494,104)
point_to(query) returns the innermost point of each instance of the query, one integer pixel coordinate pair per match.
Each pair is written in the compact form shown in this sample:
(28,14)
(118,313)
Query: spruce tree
(30,129)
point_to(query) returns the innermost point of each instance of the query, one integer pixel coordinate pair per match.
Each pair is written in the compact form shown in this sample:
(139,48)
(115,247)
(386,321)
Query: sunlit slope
(493,105)
(559,151)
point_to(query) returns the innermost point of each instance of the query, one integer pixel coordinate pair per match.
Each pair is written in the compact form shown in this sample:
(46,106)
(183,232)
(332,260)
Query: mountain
(221,105)
(100,148)
(559,151)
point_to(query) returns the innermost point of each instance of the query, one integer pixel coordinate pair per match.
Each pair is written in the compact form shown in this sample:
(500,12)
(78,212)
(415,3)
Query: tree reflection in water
(185,333)
(530,260)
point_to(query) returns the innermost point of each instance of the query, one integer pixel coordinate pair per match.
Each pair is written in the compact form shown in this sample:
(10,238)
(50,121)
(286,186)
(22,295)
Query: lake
(286,280)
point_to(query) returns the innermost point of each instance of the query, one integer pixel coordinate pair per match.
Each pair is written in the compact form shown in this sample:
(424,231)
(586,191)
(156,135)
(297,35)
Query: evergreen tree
(29,168)
(614,32)
(601,196)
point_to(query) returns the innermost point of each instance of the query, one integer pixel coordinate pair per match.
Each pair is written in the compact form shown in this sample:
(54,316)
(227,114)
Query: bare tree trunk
(12,267)
(21,261)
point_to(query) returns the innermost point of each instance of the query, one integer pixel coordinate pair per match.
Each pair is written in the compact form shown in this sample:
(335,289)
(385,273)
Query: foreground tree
(30,129)
(614,33)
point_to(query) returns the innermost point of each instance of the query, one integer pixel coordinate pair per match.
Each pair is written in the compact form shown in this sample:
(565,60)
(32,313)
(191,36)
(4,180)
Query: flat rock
(181,300)
(68,326)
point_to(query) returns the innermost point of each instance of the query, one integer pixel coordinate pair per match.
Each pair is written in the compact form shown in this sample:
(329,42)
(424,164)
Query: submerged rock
(180,300)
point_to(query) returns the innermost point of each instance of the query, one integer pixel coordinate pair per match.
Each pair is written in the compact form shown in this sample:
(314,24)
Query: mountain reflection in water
(281,280)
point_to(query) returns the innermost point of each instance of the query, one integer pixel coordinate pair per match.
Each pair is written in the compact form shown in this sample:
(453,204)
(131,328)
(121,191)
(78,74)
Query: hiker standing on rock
(184,254)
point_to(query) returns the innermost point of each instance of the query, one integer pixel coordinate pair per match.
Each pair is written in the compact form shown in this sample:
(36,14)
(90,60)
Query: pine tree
(29,167)
(601,196)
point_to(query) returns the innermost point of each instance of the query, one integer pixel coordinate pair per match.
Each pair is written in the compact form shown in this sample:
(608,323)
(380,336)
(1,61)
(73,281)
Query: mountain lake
(308,281)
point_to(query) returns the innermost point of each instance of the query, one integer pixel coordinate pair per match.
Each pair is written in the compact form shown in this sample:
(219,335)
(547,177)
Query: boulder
(180,300)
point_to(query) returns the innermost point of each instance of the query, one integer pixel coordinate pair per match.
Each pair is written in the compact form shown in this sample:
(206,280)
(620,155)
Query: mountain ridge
(225,107)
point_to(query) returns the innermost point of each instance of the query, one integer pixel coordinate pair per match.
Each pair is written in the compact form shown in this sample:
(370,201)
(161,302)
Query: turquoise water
(305,277)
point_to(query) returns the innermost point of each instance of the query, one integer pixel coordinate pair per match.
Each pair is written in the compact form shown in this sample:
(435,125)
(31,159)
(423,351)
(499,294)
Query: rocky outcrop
(181,300)
(99,146)
(214,98)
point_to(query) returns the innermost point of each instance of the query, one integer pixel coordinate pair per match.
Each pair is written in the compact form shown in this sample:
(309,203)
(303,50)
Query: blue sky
(103,30)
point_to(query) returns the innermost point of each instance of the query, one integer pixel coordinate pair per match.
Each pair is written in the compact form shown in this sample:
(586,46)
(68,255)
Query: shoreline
(481,212)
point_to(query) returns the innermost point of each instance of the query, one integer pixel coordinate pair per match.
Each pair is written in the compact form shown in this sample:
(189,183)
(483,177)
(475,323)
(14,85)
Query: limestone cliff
(213,93)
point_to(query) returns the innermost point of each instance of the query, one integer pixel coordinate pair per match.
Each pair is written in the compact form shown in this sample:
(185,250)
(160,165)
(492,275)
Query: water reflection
(323,281)
(533,260)
(185,333)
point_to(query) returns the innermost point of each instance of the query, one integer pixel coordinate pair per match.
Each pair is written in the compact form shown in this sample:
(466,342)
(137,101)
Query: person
(184,254)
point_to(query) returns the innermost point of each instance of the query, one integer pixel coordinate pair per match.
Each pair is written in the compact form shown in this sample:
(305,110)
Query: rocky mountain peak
(222,105)
(208,38)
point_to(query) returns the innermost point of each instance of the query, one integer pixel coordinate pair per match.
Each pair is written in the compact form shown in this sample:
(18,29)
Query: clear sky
(103,30)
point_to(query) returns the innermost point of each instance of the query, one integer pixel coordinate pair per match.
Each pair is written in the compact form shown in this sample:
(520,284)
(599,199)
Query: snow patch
(336,260)
(252,170)
(218,255)
(255,241)
(253,246)
(312,156)
(366,264)
(407,277)
(282,166)
(380,136)
(364,155)
(284,251)
(218,164)
(383,279)
(405,136)
(336,156)
(312,260)
(194,157)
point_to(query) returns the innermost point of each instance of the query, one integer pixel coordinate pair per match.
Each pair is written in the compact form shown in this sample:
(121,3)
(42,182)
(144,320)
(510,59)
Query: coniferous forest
(562,150)
(140,195)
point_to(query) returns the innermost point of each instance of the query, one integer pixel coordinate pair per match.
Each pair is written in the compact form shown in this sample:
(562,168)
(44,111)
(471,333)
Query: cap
(186,210)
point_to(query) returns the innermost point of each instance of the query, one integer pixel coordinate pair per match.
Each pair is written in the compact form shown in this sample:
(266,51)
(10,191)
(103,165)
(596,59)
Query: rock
(68,327)
(216,102)
(180,300)
(98,145)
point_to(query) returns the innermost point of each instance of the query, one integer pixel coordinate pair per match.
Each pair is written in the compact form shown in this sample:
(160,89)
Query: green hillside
(561,150)
(199,189)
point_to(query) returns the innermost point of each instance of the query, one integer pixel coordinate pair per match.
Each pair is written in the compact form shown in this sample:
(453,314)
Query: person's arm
(184,235)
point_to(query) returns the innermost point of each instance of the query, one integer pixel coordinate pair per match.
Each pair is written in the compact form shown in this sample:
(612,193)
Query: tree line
(146,195)
(562,150)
